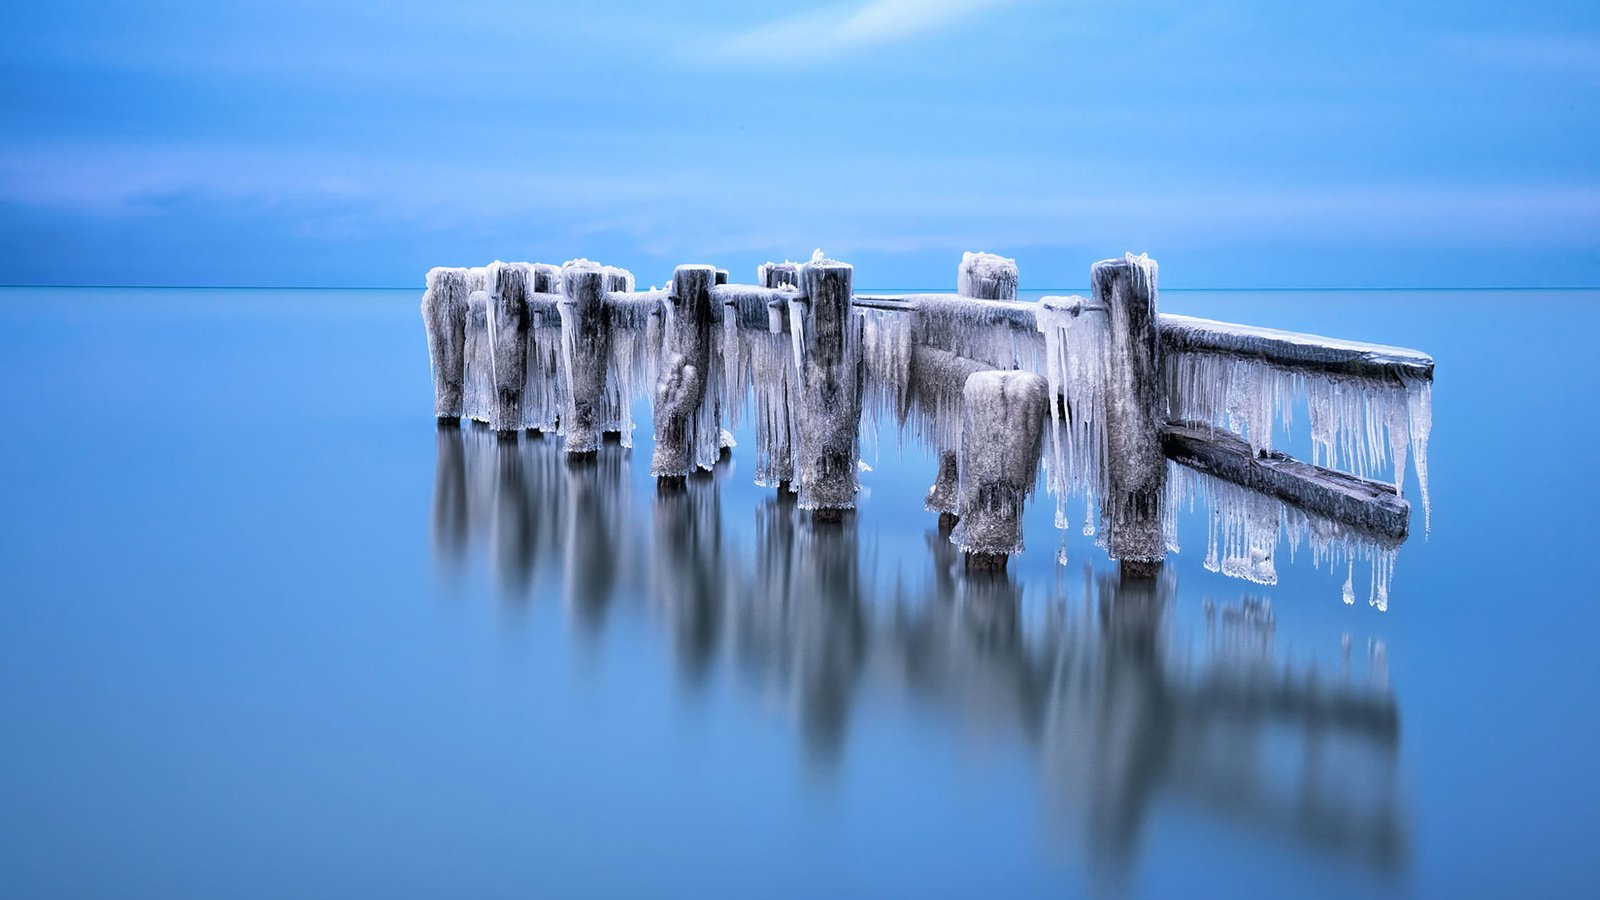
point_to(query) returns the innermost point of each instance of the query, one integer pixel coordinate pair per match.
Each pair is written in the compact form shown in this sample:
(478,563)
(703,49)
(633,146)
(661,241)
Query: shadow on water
(1120,712)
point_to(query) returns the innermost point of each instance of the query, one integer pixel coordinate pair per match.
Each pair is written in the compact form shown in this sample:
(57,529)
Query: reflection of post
(585,351)
(685,370)
(444,313)
(1135,408)
(1001,436)
(450,514)
(827,344)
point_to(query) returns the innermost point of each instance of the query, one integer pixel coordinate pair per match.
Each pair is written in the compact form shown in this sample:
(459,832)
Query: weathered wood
(1293,350)
(444,316)
(508,341)
(585,349)
(1369,506)
(1135,401)
(827,339)
(685,370)
(751,305)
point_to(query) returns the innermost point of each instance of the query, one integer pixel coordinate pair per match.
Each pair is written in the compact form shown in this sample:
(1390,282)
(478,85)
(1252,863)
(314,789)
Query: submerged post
(1001,438)
(585,349)
(477,402)
(685,370)
(444,314)
(507,285)
(827,342)
(1135,406)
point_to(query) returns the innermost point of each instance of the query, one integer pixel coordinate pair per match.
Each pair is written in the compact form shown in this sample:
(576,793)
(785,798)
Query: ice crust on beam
(1293,349)
(1244,529)
(1000,445)
(1074,365)
(444,315)
(987,276)
(1361,425)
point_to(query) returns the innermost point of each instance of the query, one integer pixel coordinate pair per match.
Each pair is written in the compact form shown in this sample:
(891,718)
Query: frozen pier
(1118,410)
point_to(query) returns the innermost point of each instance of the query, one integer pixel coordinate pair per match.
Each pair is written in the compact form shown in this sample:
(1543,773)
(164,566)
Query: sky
(1241,143)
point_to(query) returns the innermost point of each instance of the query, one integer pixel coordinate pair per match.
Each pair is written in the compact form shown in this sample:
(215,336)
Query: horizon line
(908,290)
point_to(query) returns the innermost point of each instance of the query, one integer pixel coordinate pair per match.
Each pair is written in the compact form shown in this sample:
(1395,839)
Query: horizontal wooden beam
(1369,506)
(1292,349)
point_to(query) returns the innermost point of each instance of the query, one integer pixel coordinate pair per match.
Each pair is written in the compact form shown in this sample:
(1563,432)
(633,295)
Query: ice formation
(1004,423)
(508,322)
(827,354)
(1364,419)
(987,276)
(823,372)
(478,401)
(1244,529)
(1074,365)
(444,315)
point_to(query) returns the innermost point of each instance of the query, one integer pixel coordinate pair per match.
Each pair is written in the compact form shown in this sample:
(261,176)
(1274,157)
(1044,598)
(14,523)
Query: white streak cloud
(840,30)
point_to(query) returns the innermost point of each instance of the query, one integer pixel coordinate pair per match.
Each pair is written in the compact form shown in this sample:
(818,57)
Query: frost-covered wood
(507,286)
(1293,349)
(987,276)
(444,316)
(827,351)
(684,421)
(585,351)
(1136,467)
(1361,503)
(1001,440)
(937,381)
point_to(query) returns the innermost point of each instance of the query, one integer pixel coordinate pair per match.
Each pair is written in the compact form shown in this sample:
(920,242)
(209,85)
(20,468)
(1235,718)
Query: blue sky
(1243,144)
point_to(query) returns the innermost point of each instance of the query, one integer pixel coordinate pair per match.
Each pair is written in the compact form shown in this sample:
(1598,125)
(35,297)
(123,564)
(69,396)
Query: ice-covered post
(777,275)
(827,342)
(444,315)
(1135,406)
(1002,433)
(508,343)
(987,277)
(685,369)
(984,276)
(585,350)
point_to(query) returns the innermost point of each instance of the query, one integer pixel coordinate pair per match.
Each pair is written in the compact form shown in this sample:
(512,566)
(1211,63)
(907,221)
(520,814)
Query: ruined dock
(1115,408)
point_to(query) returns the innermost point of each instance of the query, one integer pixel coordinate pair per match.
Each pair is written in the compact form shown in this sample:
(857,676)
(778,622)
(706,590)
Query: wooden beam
(1361,503)
(1180,334)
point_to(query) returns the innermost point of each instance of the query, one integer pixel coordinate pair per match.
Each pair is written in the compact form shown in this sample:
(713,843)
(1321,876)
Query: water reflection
(1125,711)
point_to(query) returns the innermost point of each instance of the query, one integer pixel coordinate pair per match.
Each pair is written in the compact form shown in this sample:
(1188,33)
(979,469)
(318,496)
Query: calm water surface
(267,633)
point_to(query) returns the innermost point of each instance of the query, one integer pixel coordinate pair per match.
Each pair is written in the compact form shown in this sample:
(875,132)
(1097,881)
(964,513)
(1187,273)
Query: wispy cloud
(838,30)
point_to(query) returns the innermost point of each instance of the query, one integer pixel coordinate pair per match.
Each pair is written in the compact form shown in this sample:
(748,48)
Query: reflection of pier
(1124,710)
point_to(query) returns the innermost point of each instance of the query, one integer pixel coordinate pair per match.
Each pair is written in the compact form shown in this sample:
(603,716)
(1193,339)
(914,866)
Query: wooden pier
(1132,411)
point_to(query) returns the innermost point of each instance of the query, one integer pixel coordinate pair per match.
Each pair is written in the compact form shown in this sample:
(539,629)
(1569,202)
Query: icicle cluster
(1074,365)
(1364,426)
(1244,529)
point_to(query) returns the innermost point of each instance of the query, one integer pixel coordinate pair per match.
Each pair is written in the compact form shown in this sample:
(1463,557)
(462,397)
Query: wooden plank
(1292,349)
(1370,506)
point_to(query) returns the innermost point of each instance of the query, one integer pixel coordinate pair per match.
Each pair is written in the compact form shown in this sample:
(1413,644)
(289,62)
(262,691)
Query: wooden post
(444,314)
(1002,432)
(721,277)
(827,341)
(508,343)
(585,351)
(685,371)
(987,277)
(477,401)
(777,275)
(1135,413)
